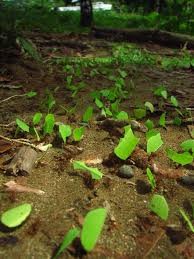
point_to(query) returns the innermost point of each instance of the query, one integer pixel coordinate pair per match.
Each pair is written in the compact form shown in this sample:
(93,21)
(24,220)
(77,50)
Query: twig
(19,142)
(7,125)
(13,96)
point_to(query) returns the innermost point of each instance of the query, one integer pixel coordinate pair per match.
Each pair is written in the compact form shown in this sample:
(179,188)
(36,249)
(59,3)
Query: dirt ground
(131,230)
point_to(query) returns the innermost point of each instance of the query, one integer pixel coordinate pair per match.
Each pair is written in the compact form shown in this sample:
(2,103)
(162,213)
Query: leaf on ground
(154,143)
(140,113)
(78,133)
(88,114)
(162,120)
(187,219)
(95,173)
(159,206)
(188,145)
(92,227)
(65,131)
(180,158)
(16,216)
(68,239)
(126,145)
(149,106)
(22,125)
(122,115)
(49,124)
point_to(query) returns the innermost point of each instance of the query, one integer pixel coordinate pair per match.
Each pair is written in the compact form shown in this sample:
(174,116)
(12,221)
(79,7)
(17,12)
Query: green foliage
(22,125)
(36,118)
(187,219)
(16,216)
(149,124)
(122,115)
(95,173)
(188,145)
(31,94)
(29,48)
(180,158)
(174,101)
(92,227)
(161,91)
(126,145)
(162,120)
(149,106)
(151,178)
(49,124)
(68,239)
(139,113)
(65,131)
(159,206)
(88,114)
(154,143)
(78,133)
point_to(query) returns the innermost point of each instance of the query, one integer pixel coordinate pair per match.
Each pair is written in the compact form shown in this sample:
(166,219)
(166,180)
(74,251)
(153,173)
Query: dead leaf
(5,146)
(12,186)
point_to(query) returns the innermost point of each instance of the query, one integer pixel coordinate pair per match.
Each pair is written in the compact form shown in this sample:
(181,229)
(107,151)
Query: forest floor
(131,230)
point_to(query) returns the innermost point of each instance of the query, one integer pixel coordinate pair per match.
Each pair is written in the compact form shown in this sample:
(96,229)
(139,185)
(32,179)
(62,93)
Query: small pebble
(126,171)
(188,179)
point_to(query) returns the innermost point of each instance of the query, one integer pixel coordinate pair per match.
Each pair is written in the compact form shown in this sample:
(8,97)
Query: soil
(131,230)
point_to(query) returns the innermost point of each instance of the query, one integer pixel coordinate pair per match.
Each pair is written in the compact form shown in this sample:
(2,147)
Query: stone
(126,171)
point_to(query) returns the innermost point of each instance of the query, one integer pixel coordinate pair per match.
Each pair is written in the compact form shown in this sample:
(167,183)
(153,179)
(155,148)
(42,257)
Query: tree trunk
(86,13)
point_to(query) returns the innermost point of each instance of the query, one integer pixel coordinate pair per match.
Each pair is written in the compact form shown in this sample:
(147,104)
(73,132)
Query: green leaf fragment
(95,173)
(49,124)
(149,106)
(188,145)
(180,158)
(162,120)
(174,101)
(78,133)
(31,94)
(140,113)
(122,115)
(126,145)
(187,219)
(68,239)
(154,143)
(22,125)
(65,131)
(16,216)
(92,227)
(88,114)
(159,206)
(149,124)
(151,178)
(37,117)
(98,103)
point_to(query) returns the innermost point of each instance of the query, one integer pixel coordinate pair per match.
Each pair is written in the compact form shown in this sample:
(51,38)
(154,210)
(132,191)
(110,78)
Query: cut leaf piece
(22,125)
(126,145)
(174,101)
(92,227)
(95,173)
(151,178)
(162,121)
(88,114)
(31,94)
(139,113)
(16,216)
(68,239)
(149,124)
(149,106)
(187,219)
(37,117)
(188,145)
(78,133)
(65,131)
(98,103)
(159,206)
(154,143)
(183,158)
(49,124)
(161,91)
(122,115)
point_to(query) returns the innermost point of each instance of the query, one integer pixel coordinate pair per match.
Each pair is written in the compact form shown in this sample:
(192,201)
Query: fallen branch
(13,96)
(19,142)
(166,38)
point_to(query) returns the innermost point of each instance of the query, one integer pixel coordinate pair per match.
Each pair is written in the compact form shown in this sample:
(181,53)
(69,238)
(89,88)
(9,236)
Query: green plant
(159,206)
(16,216)
(95,173)
(126,144)
(22,125)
